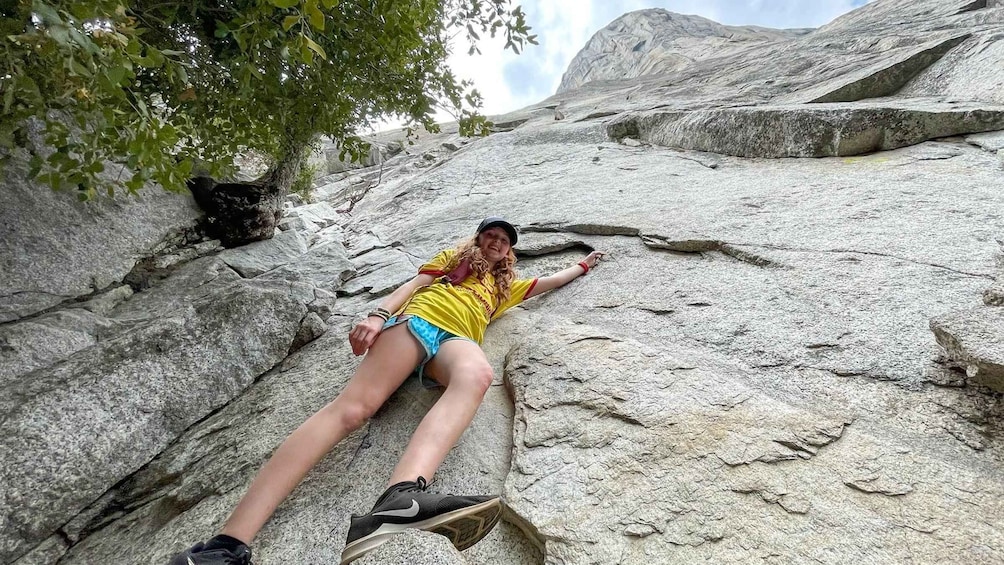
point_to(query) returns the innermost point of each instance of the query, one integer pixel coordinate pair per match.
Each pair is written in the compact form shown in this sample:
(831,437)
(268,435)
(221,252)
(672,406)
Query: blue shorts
(431,337)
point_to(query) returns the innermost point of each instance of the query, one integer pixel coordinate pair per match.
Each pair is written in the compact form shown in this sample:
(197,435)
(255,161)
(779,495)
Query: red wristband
(584,266)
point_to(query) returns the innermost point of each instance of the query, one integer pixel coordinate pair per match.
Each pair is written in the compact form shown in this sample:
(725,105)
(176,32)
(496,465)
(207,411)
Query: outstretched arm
(365,333)
(565,276)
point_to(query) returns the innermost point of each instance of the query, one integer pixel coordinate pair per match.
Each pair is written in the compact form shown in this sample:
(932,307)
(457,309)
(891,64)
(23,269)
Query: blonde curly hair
(504,271)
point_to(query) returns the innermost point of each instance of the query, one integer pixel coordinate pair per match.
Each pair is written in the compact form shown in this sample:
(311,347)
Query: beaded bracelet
(380,313)
(584,266)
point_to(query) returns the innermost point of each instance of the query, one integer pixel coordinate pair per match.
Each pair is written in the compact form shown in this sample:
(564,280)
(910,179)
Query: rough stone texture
(890,76)
(750,374)
(311,328)
(657,41)
(624,453)
(974,338)
(819,130)
(324,266)
(104,303)
(993,141)
(381,271)
(262,256)
(133,395)
(191,282)
(321,214)
(42,341)
(56,248)
(185,492)
(414,547)
(994,296)
(912,61)
(47,552)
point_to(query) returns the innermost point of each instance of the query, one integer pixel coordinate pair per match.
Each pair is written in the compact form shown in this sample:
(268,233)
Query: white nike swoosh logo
(403,513)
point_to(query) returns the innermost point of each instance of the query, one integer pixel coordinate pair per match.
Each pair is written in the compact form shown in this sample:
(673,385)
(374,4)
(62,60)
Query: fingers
(362,337)
(355,341)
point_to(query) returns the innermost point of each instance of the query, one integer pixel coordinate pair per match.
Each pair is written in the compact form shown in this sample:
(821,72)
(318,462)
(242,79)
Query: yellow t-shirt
(464,309)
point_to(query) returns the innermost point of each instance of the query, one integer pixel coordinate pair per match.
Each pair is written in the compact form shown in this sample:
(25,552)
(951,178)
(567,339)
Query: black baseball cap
(497,222)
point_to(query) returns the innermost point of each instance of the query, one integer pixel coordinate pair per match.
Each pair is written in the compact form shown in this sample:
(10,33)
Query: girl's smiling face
(494,244)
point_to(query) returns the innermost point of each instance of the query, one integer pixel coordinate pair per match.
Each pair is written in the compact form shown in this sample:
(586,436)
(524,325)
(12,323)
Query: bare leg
(461,365)
(387,364)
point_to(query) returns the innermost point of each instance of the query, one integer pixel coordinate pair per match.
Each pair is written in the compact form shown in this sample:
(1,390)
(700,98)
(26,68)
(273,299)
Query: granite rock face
(887,75)
(56,249)
(779,359)
(656,41)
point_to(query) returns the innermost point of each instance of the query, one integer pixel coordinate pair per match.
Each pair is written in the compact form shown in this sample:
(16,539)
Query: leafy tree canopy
(163,86)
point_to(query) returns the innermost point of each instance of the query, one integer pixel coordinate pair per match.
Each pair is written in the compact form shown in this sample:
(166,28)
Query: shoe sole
(464,528)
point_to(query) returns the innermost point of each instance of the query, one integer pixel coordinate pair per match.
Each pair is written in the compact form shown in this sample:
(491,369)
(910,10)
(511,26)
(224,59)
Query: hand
(365,333)
(593,258)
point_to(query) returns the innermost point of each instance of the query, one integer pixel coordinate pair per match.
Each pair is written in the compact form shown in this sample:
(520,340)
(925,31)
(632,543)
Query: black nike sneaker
(463,519)
(210,554)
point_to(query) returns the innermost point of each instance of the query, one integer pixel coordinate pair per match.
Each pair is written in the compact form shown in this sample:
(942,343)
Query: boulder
(975,339)
(262,256)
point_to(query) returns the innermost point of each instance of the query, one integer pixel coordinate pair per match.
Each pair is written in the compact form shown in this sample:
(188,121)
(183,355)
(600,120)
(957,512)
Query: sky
(508,82)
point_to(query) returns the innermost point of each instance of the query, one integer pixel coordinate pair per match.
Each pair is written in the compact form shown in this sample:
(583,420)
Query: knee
(349,415)
(478,378)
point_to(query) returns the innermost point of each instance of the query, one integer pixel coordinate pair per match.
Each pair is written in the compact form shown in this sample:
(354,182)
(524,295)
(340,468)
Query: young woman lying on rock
(435,321)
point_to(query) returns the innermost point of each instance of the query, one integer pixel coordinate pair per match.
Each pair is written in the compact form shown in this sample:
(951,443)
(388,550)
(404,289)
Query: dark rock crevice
(888,80)
(709,245)
(977,5)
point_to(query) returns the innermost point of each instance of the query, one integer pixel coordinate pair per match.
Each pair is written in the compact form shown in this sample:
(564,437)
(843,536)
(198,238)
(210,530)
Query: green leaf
(284,3)
(316,15)
(77,69)
(290,21)
(155,57)
(306,54)
(329,4)
(34,166)
(313,46)
(115,74)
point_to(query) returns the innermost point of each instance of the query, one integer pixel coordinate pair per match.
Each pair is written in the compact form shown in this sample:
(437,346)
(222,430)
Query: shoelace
(422,484)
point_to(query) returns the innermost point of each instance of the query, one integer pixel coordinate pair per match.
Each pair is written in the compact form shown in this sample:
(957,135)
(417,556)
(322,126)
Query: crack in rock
(792,504)
(583,229)
(977,5)
(878,485)
(653,241)
(892,77)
